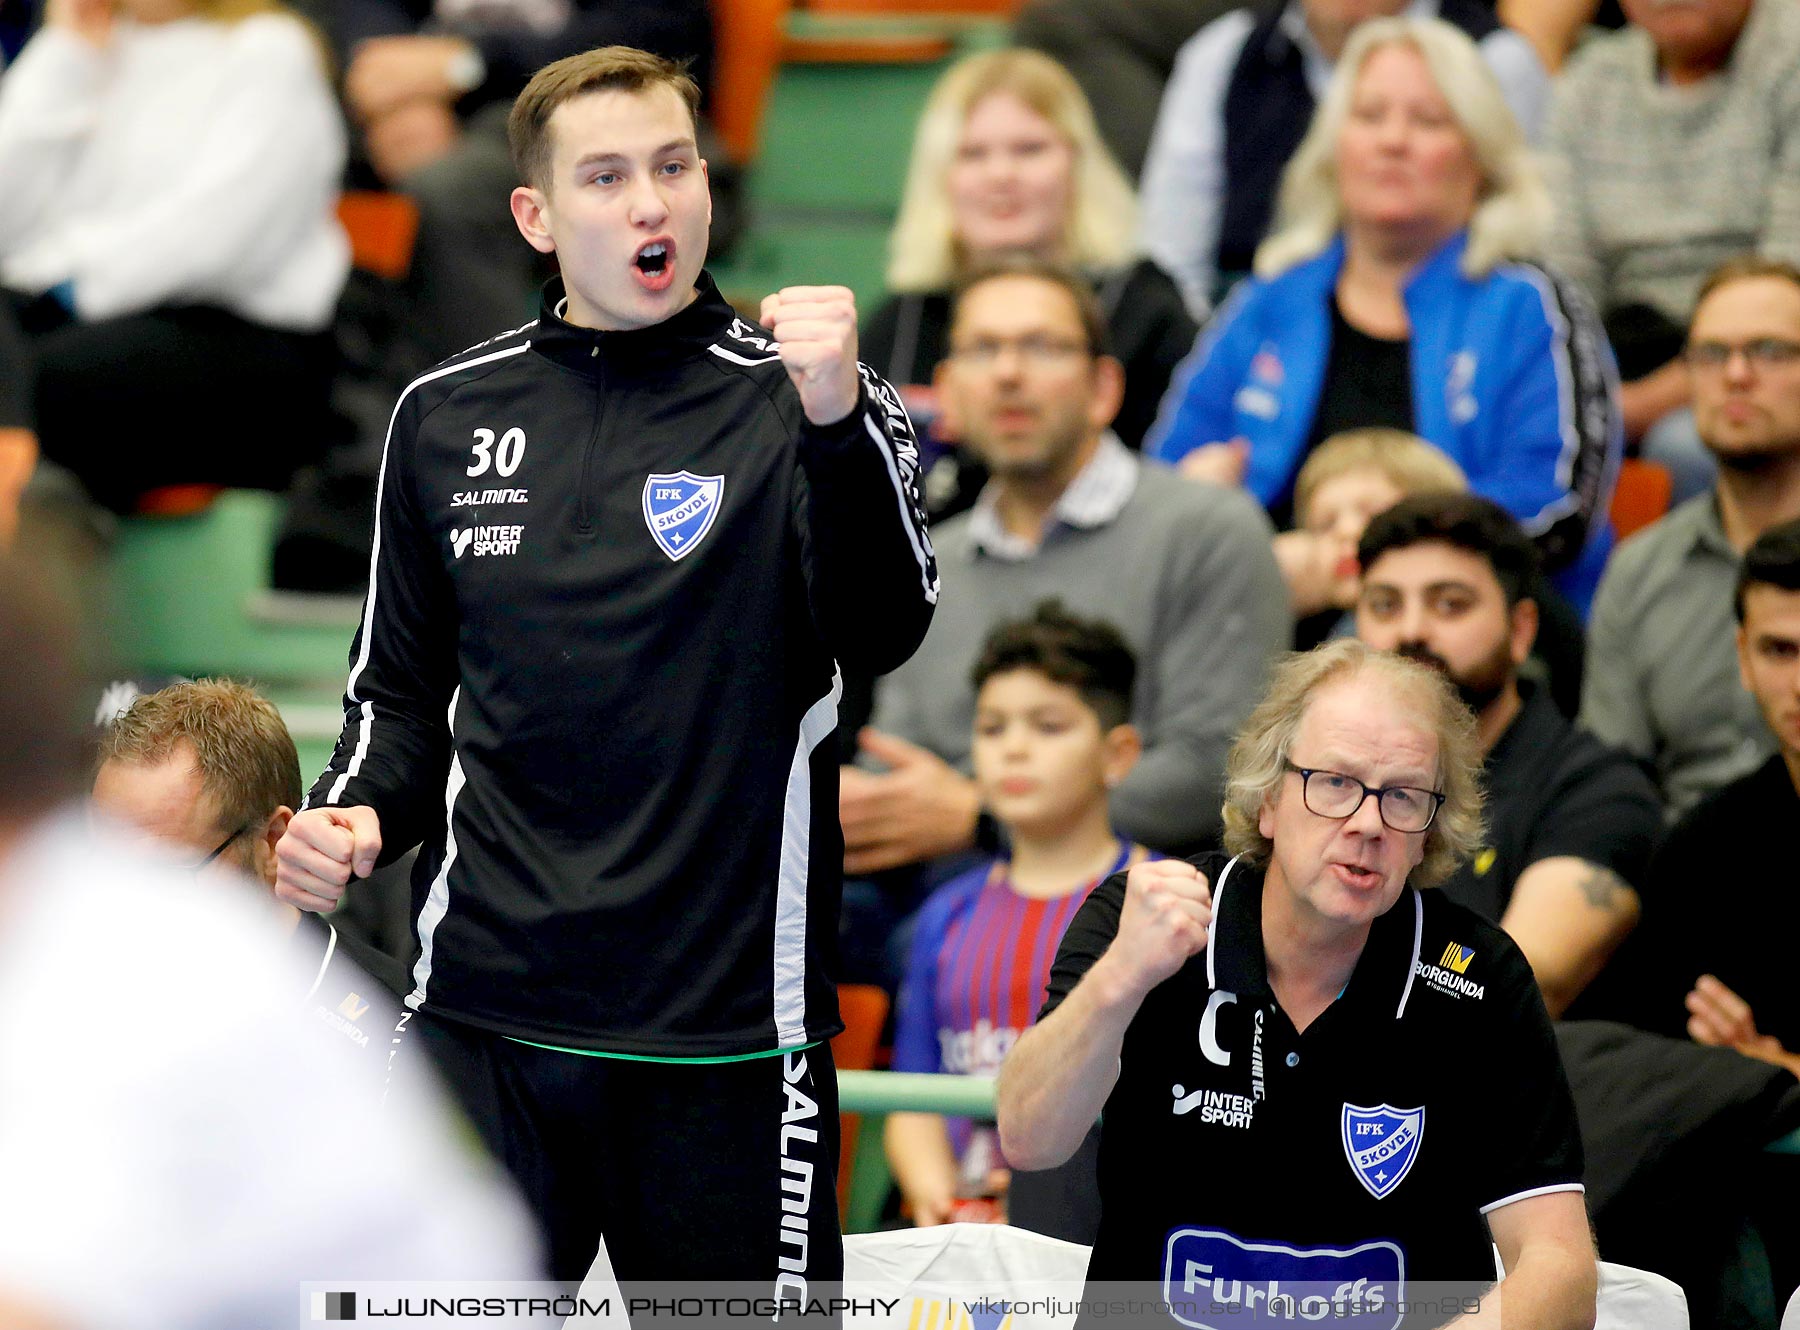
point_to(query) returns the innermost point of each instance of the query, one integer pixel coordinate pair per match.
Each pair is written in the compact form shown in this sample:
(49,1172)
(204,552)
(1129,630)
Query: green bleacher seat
(183,592)
(827,182)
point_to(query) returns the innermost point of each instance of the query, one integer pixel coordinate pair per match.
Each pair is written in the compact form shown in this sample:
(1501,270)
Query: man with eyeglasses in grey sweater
(1184,570)
(1662,674)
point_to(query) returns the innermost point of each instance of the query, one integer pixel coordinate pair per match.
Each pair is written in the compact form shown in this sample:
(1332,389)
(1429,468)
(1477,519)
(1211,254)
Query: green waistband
(640,1057)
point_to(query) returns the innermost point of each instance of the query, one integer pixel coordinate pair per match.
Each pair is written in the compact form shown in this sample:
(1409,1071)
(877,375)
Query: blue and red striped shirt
(979,966)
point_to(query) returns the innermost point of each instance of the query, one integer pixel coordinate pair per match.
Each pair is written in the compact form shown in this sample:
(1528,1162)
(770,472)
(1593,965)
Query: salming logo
(900,428)
(796,1181)
(1256,1059)
(744,333)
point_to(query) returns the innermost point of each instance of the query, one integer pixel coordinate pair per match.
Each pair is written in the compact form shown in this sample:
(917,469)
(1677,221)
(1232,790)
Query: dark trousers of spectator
(171,396)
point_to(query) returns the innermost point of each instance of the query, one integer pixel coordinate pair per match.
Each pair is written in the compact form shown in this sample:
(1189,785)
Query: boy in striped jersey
(1051,738)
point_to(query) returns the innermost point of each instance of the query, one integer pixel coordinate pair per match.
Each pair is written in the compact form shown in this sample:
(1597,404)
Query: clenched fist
(816,326)
(1166,918)
(321,851)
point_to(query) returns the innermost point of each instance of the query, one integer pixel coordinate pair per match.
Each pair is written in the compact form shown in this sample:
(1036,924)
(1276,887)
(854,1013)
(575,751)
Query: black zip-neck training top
(613,575)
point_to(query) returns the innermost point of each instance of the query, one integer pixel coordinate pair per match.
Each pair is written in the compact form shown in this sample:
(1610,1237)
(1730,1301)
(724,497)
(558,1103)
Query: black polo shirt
(354,988)
(1554,789)
(1235,1152)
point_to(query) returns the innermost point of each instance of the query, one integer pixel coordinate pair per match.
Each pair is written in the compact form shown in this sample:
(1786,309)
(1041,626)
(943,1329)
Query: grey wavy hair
(1260,753)
(1512,209)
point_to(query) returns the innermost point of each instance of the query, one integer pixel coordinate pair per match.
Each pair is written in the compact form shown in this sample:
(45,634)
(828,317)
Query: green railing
(875,1094)
(882,1092)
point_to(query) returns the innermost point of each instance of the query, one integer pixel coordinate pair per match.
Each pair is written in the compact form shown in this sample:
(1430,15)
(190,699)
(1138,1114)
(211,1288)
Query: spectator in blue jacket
(1400,289)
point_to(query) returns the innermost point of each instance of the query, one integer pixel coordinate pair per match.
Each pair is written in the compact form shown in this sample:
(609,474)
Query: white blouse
(192,162)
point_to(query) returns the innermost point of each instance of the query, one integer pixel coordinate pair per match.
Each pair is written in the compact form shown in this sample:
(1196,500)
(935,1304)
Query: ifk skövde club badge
(680,509)
(1381,1144)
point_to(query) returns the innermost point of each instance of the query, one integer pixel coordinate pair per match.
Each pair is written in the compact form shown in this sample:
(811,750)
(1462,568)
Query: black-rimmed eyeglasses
(222,846)
(1763,353)
(1335,795)
(1037,348)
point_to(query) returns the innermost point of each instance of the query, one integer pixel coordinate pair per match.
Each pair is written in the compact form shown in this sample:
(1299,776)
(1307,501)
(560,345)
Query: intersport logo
(480,541)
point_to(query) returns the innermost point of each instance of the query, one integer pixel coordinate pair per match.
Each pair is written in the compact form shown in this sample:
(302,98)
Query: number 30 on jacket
(505,459)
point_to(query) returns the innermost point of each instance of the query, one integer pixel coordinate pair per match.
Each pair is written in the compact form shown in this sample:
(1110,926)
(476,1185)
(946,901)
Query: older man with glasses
(1297,1045)
(208,771)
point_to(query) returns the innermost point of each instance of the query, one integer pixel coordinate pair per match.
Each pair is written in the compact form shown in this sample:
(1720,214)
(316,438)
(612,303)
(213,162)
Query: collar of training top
(315,941)
(707,319)
(1237,963)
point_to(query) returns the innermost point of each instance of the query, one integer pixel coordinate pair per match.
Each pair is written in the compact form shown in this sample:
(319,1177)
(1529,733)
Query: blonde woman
(1006,158)
(169,252)
(1401,289)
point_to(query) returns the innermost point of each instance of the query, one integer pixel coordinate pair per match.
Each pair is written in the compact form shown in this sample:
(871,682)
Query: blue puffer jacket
(1511,376)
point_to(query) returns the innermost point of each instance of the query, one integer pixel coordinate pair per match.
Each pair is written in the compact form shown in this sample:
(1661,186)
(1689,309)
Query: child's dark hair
(1088,655)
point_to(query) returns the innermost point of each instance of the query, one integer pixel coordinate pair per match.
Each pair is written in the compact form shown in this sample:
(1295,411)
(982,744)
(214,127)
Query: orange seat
(382,227)
(864,1008)
(1002,9)
(1642,495)
(748,38)
(882,50)
(902,47)
(177,500)
(752,42)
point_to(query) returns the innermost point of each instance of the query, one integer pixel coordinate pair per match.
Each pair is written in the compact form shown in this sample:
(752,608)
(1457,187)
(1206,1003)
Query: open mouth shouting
(654,264)
(1356,876)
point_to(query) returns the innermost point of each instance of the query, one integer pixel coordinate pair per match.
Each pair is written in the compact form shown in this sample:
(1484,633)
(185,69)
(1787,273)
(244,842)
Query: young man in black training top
(619,554)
